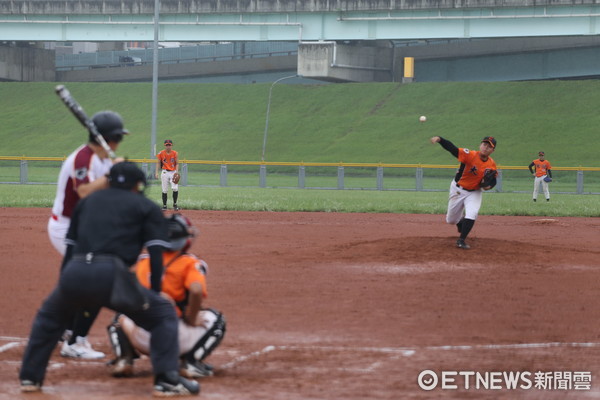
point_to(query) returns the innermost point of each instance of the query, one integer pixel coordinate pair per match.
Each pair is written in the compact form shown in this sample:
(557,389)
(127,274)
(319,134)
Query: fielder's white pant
(166,180)
(462,203)
(57,232)
(536,187)
(188,335)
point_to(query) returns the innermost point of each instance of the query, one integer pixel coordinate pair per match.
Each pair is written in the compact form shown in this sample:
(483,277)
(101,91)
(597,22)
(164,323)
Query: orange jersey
(541,167)
(178,276)
(168,161)
(472,169)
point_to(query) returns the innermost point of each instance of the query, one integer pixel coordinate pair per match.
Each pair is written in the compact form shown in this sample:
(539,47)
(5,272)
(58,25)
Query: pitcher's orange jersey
(472,169)
(168,161)
(177,277)
(541,167)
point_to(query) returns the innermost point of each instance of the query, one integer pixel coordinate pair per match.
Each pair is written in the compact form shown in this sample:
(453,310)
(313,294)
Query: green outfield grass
(374,122)
(255,199)
(351,123)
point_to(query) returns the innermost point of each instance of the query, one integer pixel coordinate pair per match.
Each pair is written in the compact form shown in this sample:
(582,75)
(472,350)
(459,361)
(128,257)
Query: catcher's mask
(181,232)
(126,175)
(109,125)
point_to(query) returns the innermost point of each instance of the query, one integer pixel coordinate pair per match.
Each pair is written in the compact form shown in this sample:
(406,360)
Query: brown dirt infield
(348,306)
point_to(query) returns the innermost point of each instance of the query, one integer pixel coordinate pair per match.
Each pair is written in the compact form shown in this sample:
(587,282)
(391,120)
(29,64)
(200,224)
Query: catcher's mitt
(176,177)
(489,179)
(547,179)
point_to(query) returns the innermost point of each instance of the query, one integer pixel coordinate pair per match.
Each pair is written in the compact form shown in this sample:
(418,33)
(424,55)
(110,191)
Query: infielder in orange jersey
(477,172)
(184,283)
(540,169)
(168,162)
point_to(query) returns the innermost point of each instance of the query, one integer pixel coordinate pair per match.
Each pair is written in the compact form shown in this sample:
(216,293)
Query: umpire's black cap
(126,175)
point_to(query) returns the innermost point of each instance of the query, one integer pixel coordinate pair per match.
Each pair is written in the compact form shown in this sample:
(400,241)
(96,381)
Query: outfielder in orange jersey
(540,169)
(184,282)
(477,172)
(168,162)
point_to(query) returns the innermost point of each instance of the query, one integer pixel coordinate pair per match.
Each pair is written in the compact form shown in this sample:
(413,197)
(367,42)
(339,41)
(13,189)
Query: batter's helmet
(109,125)
(126,175)
(181,232)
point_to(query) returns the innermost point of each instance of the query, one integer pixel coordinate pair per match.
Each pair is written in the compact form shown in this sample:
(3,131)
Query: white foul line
(9,346)
(240,359)
(407,351)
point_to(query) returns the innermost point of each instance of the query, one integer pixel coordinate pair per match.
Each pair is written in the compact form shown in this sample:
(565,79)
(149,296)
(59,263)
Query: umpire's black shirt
(116,222)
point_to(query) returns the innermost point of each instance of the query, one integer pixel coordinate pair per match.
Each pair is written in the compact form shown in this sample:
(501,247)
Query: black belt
(468,190)
(89,257)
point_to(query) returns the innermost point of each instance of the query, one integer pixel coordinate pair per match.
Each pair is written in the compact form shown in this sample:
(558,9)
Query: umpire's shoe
(460,243)
(170,384)
(28,386)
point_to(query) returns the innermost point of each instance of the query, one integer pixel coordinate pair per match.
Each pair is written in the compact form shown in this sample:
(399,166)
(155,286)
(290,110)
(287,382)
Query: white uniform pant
(57,232)
(166,180)
(188,335)
(462,203)
(536,187)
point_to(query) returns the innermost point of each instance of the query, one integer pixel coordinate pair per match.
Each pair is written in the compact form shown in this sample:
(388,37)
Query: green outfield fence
(311,175)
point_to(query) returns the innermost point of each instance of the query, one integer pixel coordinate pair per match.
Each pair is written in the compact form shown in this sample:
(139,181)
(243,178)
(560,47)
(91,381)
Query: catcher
(168,162)
(477,172)
(184,283)
(541,171)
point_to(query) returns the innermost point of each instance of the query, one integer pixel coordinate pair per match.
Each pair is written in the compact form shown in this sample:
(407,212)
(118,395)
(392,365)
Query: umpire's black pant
(89,285)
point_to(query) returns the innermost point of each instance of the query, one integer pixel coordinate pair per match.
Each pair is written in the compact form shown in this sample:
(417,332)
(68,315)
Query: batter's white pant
(188,335)
(462,203)
(166,180)
(536,187)
(57,232)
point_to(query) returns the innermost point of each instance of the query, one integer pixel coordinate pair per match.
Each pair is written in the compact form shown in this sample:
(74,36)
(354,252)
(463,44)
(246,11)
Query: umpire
(108,230)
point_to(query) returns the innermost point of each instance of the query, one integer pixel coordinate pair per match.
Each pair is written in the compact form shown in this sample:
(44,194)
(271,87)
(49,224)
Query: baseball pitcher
(477,172)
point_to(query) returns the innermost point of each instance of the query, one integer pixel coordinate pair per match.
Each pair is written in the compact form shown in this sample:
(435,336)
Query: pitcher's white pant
(536,187)
(166,180)
(57,232)
(188,335)
(461,203)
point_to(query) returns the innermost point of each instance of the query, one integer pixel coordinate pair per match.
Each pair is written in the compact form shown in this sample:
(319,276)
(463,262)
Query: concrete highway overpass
(339,40)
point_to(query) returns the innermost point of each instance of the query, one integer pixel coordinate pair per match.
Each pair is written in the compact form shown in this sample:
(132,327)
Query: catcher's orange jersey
(541,167)
(472,169)
(168,161)
(178,276)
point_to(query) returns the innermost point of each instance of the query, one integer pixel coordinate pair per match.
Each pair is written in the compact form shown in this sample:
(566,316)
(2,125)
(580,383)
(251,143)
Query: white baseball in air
(422,118)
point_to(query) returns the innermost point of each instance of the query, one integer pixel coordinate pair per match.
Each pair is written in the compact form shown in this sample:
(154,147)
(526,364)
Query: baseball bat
(82,117)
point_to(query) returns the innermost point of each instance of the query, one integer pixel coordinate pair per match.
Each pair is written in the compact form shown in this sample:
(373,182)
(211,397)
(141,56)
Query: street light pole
(269,111)
(154,80)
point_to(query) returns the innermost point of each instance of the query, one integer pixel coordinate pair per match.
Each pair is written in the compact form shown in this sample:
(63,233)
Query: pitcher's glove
(547,179)
(176,177)
(489,179)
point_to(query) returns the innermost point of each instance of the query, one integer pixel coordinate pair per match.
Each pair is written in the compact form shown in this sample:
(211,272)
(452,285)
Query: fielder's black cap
(490,140)
(168,141)
(541,153)
(126,175)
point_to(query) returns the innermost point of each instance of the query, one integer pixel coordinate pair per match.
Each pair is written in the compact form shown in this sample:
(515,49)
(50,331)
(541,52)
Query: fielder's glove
(176,177)
(547,179)
(489,179)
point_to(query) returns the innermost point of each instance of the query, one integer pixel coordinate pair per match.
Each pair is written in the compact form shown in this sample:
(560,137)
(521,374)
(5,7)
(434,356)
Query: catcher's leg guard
(210,340)
(124,351)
